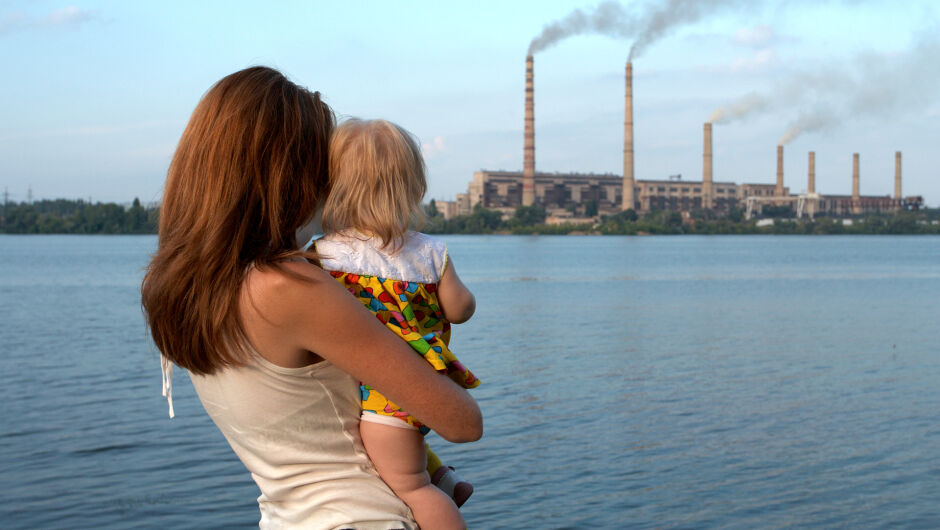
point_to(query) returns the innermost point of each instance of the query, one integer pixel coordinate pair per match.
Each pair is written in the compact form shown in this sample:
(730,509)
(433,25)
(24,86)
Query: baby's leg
(447,480)
(399,457)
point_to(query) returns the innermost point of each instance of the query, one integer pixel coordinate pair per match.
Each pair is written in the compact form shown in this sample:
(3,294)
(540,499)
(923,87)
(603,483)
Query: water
(645,382)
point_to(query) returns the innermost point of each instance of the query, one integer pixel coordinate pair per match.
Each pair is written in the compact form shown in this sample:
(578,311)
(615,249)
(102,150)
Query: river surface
(628,382)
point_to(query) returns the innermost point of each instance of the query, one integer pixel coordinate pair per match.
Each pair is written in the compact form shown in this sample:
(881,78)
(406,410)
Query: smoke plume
(608,18)
(749,104)
(814,121)
(645,25)
(659,20)
(869,85)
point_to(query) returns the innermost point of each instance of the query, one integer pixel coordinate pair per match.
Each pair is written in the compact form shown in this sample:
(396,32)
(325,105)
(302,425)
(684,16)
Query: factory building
(570,194)
(559,193)
(562,192)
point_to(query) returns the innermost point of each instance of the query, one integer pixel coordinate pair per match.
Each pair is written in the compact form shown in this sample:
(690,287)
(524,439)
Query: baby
(407,280)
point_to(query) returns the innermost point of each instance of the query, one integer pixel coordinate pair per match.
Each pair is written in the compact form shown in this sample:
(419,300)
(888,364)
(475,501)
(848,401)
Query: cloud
(436,145)
(66,17)
(757,37)
(89,130)
(10,22)
(757,61)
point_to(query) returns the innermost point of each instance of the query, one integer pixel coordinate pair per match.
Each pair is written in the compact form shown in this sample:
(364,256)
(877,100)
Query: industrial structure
(528,148)
(567,195)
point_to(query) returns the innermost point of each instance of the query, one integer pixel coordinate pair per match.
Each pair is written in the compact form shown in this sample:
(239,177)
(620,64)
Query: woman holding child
(275,346)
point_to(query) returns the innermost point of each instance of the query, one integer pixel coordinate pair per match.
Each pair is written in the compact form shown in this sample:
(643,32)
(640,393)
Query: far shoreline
(79,217)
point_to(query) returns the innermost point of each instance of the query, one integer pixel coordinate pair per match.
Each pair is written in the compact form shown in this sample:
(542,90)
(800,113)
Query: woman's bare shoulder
(279,305)
(279,293)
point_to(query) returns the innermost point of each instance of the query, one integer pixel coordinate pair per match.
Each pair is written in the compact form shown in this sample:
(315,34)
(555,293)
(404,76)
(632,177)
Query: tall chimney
(628,182)
(528,164)
(812,173)
(779,191)
(897,175)
(707,168)
(856,206)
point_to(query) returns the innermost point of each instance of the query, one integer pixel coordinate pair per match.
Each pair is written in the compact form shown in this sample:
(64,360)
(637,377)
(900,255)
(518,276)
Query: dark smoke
(646,25)
(659,20)
(608,18)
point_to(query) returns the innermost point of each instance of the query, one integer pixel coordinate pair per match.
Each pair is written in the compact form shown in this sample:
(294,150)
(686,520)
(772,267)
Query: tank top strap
(167,367)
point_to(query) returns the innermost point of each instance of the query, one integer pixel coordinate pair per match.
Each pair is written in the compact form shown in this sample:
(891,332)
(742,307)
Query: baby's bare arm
(457,302)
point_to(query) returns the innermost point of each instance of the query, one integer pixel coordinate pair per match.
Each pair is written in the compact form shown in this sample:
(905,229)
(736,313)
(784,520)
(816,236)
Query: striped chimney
(856,206)
(897,175)
(628,181)
(528,164)
(707,201)
(812,172)
(779,190)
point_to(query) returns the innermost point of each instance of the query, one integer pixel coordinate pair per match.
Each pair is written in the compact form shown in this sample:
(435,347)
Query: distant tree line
(65,216)
(531,220)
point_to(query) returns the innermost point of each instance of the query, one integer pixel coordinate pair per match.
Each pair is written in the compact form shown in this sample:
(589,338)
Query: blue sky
(96,94)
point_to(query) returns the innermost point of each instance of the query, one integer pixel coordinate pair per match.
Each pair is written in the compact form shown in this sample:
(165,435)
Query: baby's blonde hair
(377,180)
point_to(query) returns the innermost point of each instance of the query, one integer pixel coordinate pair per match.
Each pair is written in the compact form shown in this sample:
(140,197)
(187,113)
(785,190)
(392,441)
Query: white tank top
(297,431)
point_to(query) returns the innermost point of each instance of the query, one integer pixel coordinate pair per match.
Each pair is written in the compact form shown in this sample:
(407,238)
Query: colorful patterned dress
(400,288)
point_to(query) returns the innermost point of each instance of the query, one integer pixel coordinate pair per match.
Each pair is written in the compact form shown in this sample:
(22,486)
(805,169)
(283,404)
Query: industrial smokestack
(528,164)
(897,175)
(856,206)
(707,168)
(812,173)
(779,190)
(628,198)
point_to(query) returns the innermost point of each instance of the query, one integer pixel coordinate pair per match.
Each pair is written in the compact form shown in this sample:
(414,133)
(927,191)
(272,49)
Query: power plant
(587,194)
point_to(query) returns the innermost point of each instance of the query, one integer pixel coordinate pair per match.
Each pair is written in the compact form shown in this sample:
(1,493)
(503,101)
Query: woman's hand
(286,318)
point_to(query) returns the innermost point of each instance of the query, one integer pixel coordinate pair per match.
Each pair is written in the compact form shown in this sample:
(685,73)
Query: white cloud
(759,60)
(436,145)
(757,37)
(10,22)
(70,16)
(88,130)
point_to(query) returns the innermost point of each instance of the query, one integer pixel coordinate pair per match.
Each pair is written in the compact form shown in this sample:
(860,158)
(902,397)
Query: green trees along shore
(64,216)
(774,220)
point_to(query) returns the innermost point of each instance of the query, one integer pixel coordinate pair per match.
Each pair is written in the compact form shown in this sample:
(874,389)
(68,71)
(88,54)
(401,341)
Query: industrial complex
(579,196)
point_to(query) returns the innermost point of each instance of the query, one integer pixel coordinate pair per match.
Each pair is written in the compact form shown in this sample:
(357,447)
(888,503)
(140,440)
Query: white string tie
(167,367)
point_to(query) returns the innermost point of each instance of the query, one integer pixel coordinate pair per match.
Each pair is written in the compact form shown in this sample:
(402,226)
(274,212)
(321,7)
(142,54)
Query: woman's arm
(457,301)
(286,318)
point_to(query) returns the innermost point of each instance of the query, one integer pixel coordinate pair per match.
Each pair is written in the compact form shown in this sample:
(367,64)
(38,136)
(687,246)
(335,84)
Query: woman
(275,346)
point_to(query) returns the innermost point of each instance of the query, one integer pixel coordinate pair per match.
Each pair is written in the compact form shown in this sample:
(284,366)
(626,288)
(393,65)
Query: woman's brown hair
(249,170)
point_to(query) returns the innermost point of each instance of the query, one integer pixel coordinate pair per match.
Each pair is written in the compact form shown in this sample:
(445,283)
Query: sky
(95,94)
